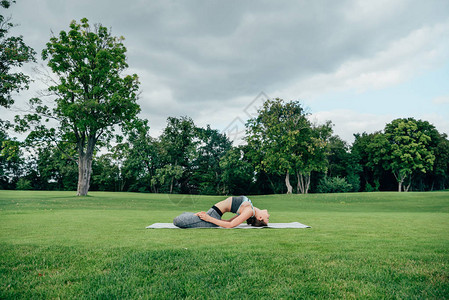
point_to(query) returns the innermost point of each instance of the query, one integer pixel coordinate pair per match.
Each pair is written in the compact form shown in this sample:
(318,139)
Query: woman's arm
(233,222)
(228,220)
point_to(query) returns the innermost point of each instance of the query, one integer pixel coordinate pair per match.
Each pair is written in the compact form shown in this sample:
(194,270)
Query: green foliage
(207,173)
(343,163)
(138,157)
(440,172)
(276,133)
(284,141)
(55,171)
(166,175)
(92,96)
(106,174)
(212,167)
(238,172)
(372,188)
(11,161)
(13,54)
(178,143)
(403,149)
(23,184)
(314,155)
(334,185)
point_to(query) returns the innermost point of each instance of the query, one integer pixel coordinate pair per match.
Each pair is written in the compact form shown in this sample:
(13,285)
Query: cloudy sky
(359,64)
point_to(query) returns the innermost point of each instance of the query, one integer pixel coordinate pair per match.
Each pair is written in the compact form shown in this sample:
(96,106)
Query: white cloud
(348,122)
(420,50)
(441,100)
(362,11)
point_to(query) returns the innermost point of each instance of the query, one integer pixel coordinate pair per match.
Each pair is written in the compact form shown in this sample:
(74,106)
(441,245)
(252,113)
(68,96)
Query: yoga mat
(241,226)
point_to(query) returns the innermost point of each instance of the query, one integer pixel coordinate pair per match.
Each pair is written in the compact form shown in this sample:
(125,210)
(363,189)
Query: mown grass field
(361,245)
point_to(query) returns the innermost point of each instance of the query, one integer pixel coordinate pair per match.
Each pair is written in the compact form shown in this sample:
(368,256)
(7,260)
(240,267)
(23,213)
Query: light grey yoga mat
(241,226)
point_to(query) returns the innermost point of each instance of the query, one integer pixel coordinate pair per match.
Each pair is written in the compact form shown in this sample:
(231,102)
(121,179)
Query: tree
(438,146)
(140,156)
(13,54)
(403,149)
(212,146)
(167,175)
(343,163)
(178,146)
(440,172)
(92,95)
(237,172)
(276,134)
(105,174)
(52,168)
(313,152)
(363,150)
(11,161)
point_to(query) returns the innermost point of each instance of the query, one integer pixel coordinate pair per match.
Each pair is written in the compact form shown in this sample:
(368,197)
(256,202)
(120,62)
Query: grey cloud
(216,51)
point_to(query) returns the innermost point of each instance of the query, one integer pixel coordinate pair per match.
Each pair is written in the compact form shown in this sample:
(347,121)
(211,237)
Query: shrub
(334,185)
(372,188)
(23,184)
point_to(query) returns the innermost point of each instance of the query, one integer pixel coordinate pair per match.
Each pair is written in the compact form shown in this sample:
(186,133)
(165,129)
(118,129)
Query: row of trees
(407,155)
(86,134)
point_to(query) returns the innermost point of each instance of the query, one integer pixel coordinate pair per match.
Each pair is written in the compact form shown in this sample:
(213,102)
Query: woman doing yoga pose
(241,206)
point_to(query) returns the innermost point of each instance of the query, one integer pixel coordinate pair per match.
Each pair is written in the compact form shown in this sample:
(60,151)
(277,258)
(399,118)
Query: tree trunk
(84,173)
(307,183)
(400,178)
(122,184)
(409,183)
(407,187)
(300,185)
(303,183)
(287,183)
(171,184)
(85,167)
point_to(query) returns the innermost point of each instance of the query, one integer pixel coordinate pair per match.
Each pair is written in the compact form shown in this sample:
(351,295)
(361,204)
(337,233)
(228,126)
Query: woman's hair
(254,222)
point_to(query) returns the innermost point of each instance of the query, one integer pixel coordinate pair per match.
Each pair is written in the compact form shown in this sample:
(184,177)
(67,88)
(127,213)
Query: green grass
(362,245)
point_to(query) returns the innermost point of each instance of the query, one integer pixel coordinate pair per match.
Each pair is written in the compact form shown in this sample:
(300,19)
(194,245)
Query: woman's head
(261,218)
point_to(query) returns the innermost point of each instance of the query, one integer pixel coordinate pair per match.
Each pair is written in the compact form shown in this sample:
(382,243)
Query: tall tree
(404,149)
(212,146)
(92,95)
(13,54)
(312,154)
(105,174)
(440,172)
(140,159)
(53,169)
(363,150)
(237,173)
(435,177)
(178,145)
(11,161)
(343,163)
(277,134)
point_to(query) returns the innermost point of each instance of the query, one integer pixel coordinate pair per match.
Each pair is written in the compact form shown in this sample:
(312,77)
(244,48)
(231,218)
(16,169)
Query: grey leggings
(189,220)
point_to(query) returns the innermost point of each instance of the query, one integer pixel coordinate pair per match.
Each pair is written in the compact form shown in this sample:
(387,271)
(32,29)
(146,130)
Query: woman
(241,206)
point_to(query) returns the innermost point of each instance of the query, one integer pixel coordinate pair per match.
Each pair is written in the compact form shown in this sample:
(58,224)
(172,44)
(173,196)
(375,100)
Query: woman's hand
(203,216)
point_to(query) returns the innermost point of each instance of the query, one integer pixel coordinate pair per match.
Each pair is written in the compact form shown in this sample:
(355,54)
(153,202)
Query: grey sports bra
(238,201)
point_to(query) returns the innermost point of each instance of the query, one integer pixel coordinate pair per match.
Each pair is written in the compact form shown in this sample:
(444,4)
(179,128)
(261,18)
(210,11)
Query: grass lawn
(361,245)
